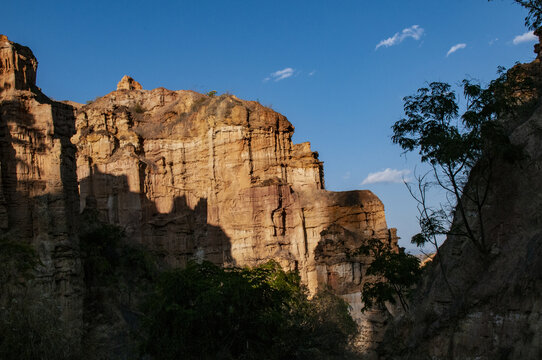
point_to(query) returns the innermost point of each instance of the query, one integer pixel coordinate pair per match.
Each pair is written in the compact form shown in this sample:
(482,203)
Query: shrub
(394,274)
(18,260)
(108,257)
(138,109)
(207,312)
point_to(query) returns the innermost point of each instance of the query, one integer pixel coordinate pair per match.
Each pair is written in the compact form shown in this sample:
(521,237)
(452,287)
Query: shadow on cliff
(344,271)
(177,236)
(28,186)
(15,193)
(38,188)
(38,206)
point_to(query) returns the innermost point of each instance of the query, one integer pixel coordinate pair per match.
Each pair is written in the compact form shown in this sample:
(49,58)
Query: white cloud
(312,73)
(527,37)
(386,176)
(455,48)
(280,74)
(415,32)
(491,42)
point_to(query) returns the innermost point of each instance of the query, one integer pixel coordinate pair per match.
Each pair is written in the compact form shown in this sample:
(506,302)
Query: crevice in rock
(279,207)
(250,155)
(304,226)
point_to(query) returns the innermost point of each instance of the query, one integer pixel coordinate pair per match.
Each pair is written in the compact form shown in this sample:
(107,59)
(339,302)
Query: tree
(394,275)
(208,312)
(455,146)
(533,20)
(18,261)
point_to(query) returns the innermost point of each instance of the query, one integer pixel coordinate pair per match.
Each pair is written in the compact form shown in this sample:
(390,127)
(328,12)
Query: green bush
(207,312)
(108,258)
(138,109)
(18,260)
(393,275)
(99,246)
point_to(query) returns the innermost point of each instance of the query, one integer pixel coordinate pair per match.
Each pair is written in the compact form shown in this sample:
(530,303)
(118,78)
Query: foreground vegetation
(461,150)
(208,312)
(200,312)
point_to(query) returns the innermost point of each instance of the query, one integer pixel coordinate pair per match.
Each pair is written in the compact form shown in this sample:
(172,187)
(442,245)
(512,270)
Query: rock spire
(17,66)
(128,83)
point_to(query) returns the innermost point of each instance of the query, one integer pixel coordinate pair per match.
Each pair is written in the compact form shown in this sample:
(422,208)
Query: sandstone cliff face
(218,178)
(189,176)
(496,311)
(38,184)
(18,66)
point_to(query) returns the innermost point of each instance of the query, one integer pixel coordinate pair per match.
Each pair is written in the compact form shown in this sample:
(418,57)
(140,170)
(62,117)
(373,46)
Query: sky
(337,69)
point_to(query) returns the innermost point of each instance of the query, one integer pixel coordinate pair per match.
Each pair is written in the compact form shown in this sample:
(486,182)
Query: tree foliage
(533,20)
(18,261)
(207,312)
(453,144)
(108,257)
(394,274)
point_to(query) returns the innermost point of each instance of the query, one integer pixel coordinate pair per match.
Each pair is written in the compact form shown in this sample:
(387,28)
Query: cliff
(496,309)
(218,178)
(186,175)
(38,184)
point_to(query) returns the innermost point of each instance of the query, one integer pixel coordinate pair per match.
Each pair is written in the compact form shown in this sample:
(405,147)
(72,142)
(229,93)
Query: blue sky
(316,62)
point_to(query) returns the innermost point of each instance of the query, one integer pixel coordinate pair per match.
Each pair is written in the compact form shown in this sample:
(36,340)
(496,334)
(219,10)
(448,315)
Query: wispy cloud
(312,73)
(491,42)
(527,37)
(415,32)
(280,74)
(347,175)
(386,176)
(455,48)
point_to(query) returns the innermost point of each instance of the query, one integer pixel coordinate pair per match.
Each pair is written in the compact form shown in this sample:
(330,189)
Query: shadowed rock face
(38,184)
(265,193)
(17,66)
(188,175)
(496,309)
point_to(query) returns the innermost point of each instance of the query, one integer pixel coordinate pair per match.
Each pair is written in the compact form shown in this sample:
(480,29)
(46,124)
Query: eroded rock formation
(127,83)
(38,184)
(216,177)
(188,175)
(18,66)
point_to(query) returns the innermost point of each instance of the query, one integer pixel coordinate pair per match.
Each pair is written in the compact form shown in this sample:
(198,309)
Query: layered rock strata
(218,178)
(188,175)
(38,183)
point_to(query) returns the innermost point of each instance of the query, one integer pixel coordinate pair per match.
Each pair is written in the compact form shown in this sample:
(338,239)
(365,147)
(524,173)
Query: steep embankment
(496,309)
